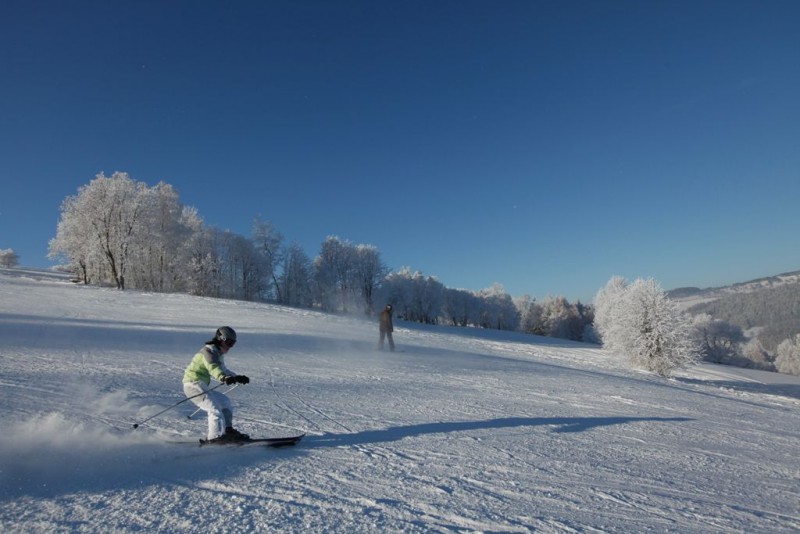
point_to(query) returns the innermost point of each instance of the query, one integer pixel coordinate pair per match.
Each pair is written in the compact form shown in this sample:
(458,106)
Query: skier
(386,327)
(209,363)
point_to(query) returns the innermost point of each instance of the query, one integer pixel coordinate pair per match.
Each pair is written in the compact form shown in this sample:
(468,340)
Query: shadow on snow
(562,424)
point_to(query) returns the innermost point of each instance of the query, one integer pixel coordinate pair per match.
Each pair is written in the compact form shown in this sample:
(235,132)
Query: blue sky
(544,145)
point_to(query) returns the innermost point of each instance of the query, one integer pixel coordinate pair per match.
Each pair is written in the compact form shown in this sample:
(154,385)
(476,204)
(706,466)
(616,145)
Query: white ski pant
(218,406)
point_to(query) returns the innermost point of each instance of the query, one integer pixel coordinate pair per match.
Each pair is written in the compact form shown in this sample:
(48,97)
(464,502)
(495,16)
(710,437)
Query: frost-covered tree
(333,274)
(199,255)
(415,296)
(565,320)
(268,242)
(396,290)
(426,299)
(234,266)
(556,317)
(756,356)
(8,258)
(497,309)
(368,271)
(530,312)
(788,356)
(156,261)
(105,220)
(461,307)
(74,241)
(246,266)
(718,340)
(296,278)
(585,314)
(347,276)
(608,304)
(641,323)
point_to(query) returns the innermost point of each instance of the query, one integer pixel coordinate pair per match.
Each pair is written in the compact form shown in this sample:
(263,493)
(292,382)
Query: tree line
(116,231)
(757,329)
(120,232)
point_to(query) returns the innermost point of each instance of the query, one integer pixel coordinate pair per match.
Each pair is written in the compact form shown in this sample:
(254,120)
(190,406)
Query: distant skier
(386,327)
(209,363)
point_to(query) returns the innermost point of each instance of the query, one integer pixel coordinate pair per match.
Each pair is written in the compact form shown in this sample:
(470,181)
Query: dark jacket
(386,320)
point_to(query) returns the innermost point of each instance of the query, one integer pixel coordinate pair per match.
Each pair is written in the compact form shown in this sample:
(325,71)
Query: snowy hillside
(687,297)
(460,431)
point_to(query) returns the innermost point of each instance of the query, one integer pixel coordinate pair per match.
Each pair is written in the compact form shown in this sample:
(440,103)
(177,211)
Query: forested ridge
(775,310)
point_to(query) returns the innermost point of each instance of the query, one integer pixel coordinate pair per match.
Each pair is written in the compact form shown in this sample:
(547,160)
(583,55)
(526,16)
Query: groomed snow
(459,431)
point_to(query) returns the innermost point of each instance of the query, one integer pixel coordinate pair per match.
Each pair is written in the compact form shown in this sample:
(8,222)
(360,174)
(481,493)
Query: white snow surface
(461,430)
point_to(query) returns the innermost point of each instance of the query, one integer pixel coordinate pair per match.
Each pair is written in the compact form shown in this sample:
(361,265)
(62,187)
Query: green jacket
(207,364)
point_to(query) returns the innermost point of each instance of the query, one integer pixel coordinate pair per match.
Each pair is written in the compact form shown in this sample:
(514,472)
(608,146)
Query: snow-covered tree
(396,290)
(296,278)
(641,323)
(106,219)
(530,313)
(8,258)
(564,320)
(718,340)
(347,276)
(788,356)
(415,296)
(608,305)
(74,241)
(497,309)
(556,317)
(268,242)
(426,299)
(368,271)
(756,356)
(156,262)
(334,274)
(461,307)
(199,255)
(248,276)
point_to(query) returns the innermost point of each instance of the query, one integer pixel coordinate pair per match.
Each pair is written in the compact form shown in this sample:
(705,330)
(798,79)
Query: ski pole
(136,425)
(225,392)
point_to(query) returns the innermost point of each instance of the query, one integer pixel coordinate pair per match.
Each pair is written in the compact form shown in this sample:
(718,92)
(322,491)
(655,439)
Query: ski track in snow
(462,430)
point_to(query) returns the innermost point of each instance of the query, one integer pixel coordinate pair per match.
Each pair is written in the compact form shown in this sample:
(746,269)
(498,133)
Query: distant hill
(771,304)
(688,294)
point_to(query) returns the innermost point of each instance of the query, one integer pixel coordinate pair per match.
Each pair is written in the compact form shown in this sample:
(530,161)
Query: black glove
(242,379)
(229,380)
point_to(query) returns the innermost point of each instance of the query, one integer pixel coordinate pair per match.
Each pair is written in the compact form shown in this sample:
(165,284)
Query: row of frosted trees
(120,232)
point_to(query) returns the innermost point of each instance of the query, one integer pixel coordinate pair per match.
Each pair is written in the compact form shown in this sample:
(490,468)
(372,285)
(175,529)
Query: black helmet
(226,333)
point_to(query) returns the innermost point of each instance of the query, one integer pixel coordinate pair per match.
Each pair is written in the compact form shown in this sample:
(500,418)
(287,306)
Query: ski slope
(462,430)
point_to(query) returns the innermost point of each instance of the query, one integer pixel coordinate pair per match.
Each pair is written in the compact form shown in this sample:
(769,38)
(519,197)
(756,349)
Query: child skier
(209,363)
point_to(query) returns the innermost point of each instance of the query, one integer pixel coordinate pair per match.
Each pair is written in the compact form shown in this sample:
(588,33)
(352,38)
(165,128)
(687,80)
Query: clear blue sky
(544,145)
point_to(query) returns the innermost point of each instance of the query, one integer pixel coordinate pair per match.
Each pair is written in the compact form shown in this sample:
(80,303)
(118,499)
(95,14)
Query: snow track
(462,431)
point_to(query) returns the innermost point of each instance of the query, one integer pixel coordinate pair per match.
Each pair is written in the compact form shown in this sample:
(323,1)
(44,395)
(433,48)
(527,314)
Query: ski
(288,441)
